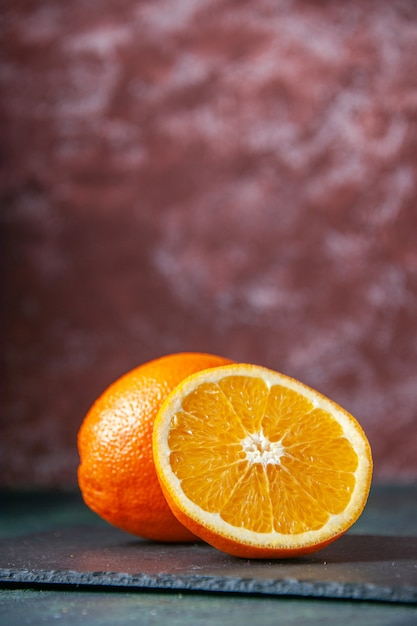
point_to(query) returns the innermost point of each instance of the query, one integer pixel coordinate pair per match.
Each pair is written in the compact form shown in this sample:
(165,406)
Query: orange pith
(116,475)
(259,465)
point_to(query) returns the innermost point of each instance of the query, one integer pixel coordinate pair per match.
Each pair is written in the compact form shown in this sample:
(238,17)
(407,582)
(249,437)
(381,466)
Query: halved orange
(259,465)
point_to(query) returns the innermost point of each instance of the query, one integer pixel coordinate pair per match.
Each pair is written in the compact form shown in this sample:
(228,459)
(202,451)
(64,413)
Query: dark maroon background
(232,177)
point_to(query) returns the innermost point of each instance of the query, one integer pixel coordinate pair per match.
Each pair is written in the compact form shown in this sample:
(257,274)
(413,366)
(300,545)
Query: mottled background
(232,177)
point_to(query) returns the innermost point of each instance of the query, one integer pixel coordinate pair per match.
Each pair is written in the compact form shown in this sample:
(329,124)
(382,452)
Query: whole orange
(116,475)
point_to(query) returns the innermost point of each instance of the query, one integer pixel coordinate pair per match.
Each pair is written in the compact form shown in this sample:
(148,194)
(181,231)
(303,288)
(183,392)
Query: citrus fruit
(258,464)
(116,475)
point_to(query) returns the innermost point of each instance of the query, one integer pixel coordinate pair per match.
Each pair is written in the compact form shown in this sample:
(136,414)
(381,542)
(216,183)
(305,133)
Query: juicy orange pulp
(258,464)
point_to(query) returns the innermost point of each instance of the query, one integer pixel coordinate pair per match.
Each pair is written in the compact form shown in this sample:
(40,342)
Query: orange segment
(258,464)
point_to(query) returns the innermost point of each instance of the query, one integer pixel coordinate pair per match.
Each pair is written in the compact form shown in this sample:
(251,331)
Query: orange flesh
(282,466)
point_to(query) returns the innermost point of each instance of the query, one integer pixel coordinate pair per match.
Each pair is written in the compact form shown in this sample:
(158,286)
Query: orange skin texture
(116,475)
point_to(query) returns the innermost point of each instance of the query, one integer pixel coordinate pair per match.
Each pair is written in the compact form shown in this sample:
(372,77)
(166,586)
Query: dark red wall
(233,177)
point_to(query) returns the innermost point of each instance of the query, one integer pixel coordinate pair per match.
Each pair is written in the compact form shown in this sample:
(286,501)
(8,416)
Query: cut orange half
(258,464)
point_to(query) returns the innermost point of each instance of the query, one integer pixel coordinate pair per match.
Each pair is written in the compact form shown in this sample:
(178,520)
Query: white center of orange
(259,449)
